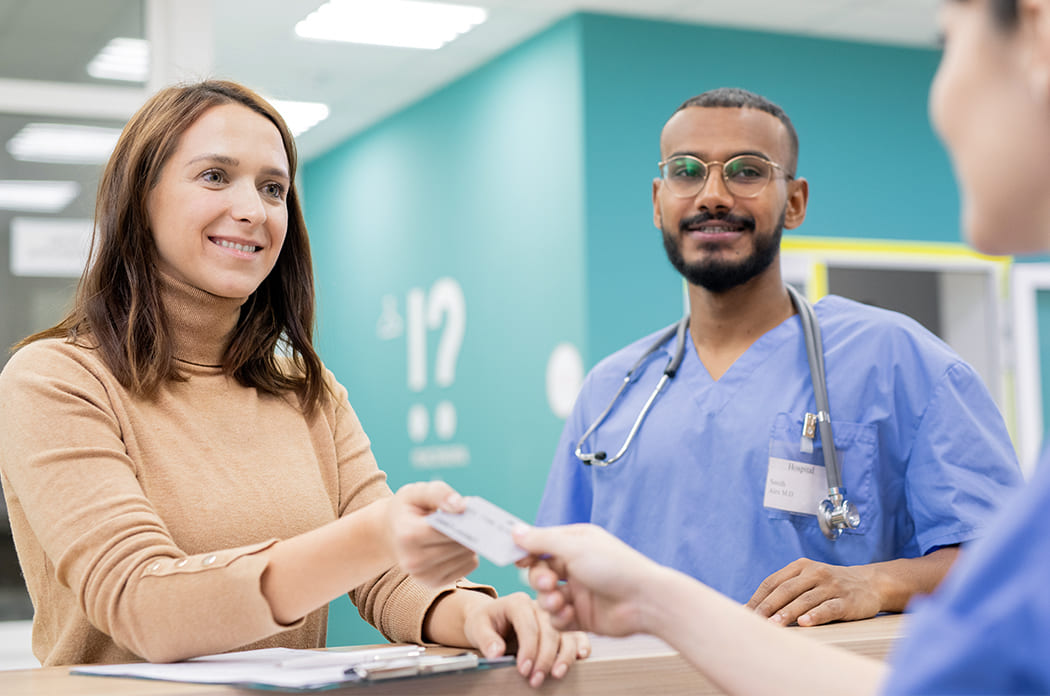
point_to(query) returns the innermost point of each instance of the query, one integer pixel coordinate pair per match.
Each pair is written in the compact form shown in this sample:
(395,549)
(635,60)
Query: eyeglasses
(745,175)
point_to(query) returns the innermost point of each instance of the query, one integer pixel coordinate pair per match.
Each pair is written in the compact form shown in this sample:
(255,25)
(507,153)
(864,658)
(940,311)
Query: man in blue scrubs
(723,479)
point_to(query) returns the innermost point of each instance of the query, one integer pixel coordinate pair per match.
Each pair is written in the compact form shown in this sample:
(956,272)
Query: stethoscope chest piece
(836,514)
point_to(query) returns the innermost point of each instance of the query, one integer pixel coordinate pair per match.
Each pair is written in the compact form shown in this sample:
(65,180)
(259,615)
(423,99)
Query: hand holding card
(484,528)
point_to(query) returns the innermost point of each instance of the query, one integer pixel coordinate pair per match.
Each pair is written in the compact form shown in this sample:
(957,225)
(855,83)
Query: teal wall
(1042,308)
(480,182)
(528,182)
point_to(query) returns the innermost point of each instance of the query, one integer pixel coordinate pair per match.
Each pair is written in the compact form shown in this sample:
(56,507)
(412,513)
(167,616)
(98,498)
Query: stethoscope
(835,513)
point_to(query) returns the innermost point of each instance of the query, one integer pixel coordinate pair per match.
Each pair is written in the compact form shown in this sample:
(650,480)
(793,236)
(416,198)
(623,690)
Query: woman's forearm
(307,571)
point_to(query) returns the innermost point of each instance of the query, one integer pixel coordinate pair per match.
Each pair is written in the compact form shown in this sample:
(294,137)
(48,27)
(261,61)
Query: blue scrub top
(924,453)
(987,628)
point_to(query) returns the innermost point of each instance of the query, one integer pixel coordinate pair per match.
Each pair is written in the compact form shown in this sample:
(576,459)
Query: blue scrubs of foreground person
(924,454)
(986,630)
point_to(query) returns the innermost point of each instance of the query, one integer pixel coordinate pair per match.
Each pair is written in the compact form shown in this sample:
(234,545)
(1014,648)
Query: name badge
(795,486)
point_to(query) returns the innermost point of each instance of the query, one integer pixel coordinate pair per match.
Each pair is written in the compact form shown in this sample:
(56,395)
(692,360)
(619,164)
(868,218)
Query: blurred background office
(476,182)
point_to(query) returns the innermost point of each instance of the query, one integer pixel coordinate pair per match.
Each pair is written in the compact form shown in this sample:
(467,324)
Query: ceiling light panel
(37,196)
(63,143)
(402,23)
(121,59)
(300,116)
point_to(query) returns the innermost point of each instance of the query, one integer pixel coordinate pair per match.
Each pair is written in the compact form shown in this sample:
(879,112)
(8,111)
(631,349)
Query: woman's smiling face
(218,213)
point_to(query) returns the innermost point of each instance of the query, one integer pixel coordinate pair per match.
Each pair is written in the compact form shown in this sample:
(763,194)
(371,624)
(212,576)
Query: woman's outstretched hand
(421,550)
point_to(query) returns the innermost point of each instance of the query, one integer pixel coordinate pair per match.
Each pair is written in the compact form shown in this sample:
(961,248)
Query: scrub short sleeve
(962,464)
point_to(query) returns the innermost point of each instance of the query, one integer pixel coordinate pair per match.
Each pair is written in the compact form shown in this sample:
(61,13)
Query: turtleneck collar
(202,324)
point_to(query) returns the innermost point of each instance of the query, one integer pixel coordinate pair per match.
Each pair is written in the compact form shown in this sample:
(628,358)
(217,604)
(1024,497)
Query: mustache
(745,221)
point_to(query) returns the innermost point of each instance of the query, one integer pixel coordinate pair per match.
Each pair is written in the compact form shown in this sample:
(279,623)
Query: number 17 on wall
(442,309)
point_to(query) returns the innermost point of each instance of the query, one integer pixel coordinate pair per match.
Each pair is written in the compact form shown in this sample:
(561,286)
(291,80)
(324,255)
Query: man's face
(715,239)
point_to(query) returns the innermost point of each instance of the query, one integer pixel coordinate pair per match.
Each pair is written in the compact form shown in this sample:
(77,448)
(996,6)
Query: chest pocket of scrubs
(857,448)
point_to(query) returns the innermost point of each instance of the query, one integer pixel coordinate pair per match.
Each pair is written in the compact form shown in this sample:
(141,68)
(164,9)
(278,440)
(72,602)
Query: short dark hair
(1005,13)
(737,98)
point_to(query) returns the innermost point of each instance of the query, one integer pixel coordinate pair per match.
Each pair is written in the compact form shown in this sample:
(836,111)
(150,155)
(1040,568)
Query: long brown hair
(118,299)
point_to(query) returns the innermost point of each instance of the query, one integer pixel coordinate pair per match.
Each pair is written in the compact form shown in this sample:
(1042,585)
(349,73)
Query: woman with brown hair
(183,475)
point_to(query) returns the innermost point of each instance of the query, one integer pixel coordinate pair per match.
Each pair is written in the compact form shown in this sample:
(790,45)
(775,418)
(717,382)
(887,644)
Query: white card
(794,486)
(483,528)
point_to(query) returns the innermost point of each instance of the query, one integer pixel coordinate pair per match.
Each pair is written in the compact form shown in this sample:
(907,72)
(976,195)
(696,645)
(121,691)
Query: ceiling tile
(777,15)
(908,22)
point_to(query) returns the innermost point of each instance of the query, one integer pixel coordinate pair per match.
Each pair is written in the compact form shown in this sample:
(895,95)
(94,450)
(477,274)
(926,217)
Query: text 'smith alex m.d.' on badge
(483,528)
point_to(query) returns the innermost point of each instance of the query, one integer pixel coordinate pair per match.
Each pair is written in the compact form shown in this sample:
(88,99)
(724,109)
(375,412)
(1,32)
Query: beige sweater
(143,527)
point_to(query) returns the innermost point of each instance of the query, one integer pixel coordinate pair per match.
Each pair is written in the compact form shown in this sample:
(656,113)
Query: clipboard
(423,665)
(303,671)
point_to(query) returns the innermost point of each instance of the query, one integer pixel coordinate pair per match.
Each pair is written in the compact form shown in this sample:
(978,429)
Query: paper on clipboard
(298,670)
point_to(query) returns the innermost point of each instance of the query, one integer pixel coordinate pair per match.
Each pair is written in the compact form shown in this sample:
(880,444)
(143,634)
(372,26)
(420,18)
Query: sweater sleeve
(64,459)
(394,602)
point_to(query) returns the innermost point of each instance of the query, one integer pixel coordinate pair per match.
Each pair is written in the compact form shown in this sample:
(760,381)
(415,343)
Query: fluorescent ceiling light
(62,143)
(37,196)
(405,23)
(121,59)
(300,116)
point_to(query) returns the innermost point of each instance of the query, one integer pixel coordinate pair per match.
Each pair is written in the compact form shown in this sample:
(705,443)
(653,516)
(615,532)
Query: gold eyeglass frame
(722,165)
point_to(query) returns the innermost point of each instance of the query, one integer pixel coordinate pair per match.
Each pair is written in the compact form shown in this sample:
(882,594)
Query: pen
(351,657)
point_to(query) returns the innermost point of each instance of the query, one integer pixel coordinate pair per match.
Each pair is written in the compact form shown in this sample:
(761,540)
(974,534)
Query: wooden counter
(618,666)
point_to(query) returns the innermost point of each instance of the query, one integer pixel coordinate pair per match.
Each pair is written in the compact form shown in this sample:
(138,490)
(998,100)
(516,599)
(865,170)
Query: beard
(717,275)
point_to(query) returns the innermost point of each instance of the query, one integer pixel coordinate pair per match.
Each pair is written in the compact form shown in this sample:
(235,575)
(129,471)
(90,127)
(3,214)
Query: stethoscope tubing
(680,331)
(815,356)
